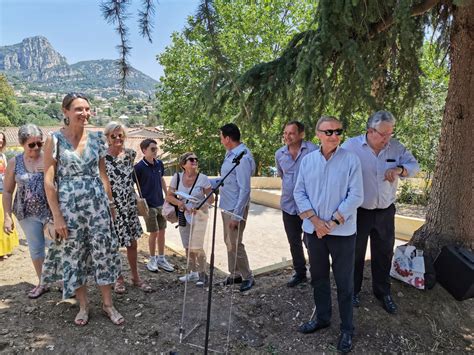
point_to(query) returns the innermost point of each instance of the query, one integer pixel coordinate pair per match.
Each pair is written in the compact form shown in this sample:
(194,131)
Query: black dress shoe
(312,325)
(296,280)
(356,300)
(388,304)
(247,284)
(345,343)
(232,280)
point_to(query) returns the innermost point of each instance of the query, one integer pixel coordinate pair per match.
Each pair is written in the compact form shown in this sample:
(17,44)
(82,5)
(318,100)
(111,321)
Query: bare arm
(50,189)
(171,198)
(105,178)
(163,186)
(108,190)
(8,188)
(207,191)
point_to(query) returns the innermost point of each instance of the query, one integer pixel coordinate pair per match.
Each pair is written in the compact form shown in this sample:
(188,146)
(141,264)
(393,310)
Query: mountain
(35,62)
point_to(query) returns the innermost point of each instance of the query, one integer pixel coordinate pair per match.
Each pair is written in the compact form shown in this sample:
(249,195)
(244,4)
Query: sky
(77,30)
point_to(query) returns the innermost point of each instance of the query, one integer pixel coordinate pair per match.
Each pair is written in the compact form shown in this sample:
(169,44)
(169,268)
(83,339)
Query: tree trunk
(450,215)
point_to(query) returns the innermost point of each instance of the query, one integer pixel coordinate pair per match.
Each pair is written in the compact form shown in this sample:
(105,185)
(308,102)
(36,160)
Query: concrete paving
(264,239)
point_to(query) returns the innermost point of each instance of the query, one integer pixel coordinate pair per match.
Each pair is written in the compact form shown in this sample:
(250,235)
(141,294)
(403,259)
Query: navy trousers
(341,249)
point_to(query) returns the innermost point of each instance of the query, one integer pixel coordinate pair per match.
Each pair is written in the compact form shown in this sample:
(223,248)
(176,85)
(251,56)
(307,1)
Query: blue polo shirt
(149,177)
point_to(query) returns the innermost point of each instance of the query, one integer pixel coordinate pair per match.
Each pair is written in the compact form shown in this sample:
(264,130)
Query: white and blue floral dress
(91,248)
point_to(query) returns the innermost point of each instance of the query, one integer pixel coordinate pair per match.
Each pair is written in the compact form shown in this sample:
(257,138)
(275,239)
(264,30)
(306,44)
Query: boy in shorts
(149,172)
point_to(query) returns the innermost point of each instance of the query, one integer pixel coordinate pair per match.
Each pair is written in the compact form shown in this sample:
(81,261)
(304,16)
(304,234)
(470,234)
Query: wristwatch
(336,221)
(403,169)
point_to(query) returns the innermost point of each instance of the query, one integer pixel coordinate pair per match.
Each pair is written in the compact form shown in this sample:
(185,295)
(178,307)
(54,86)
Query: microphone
(239,157)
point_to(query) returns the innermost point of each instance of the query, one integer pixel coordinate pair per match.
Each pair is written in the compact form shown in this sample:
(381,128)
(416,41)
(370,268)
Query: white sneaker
(192,276)
(162,263)
(151,266)
(203,280)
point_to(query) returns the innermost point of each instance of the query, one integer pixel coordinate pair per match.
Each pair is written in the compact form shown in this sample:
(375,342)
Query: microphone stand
(215,191)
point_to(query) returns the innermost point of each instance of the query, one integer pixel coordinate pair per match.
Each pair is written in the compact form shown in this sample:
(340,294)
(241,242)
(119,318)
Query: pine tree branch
(144,23)
(115,13)
(208,16)
(389,20)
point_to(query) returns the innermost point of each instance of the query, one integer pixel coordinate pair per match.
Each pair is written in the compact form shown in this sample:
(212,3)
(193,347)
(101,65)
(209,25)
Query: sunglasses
(34,144)
(153,149)
(330,132)
(117,136)
(192,160)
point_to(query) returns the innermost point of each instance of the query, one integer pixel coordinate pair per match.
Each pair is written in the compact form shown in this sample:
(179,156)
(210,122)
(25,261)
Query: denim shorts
(33,229)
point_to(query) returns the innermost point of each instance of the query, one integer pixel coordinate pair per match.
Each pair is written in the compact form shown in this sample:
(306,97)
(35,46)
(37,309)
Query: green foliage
(337,60)
(353,57)
(247,32)
(408,194)
(420,127)
(37,115)
(9,115)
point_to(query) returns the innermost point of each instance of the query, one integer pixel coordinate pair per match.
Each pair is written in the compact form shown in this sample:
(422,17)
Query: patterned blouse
(30,198)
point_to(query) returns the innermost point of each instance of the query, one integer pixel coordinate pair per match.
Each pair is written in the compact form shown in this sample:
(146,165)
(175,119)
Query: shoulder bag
(142,205)
(170,211)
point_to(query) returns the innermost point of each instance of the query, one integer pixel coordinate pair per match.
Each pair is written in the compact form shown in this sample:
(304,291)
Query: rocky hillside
(35,62)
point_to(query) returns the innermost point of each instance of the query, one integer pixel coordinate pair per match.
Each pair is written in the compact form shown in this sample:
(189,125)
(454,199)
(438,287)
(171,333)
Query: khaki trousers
(236,254)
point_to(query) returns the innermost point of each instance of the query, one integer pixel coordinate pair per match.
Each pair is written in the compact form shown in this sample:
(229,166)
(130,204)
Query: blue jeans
(33,229)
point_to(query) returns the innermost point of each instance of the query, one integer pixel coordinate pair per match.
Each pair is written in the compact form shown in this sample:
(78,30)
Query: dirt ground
(264,320)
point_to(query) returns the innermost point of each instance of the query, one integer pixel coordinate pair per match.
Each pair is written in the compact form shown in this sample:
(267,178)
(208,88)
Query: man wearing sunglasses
(384,160)
(288,159)
(327,193)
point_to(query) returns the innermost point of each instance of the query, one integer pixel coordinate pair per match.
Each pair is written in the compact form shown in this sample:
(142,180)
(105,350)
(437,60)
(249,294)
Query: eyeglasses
(330,132)
(153,149)
(117,136)
(192,160)
(383,135)
(34,144)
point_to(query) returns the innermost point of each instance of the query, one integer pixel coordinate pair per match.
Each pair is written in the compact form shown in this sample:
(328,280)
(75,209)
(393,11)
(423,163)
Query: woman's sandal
(119,286)
(82,317)
(37,291)
(114,315)
(143,285)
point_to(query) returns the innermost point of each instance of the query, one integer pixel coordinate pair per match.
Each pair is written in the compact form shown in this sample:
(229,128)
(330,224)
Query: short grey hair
(379,117)
(326,119)
(112,126)
(27,131)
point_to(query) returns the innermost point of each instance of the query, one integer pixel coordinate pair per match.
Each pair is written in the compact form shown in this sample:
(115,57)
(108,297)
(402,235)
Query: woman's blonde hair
(112,126)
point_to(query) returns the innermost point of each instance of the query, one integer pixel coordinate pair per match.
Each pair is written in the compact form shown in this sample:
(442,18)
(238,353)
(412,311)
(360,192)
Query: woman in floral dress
(82,208)
(119,164)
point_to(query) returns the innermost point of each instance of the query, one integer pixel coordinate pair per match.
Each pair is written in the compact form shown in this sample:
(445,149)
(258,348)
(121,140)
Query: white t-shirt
(202,184)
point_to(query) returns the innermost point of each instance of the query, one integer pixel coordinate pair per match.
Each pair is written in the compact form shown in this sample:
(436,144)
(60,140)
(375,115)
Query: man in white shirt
(384,160)
(327,192)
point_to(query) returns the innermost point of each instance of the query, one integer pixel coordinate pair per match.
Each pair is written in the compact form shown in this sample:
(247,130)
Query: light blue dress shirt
(379,193)
(327,186)
(288,171)
(235,194)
